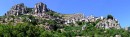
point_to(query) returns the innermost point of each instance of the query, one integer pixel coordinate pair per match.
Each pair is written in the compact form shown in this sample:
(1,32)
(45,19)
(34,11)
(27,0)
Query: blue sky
(120,9)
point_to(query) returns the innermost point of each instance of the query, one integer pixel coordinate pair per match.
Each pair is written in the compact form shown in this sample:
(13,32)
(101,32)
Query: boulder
(117,35)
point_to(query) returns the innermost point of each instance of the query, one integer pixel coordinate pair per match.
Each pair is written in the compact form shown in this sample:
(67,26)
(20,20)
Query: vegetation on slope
(30,30)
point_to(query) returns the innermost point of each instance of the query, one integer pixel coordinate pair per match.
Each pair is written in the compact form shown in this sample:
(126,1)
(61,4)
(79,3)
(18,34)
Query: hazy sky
(120,9)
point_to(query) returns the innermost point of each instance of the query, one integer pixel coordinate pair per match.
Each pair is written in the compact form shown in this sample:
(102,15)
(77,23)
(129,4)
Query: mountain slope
(21,21)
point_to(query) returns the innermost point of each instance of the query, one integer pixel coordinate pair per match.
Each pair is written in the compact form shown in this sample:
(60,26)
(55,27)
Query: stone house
(72,18)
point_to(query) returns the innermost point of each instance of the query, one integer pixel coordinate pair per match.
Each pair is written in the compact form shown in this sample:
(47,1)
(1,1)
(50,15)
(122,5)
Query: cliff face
(20,9)
(17,10)
(40,8)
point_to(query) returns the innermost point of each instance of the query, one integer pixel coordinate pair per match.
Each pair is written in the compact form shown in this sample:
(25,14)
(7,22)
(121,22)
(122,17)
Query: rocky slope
(40,12)
(40,21)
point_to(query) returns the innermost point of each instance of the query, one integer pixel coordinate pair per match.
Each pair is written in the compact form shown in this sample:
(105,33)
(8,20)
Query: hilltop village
(42,17)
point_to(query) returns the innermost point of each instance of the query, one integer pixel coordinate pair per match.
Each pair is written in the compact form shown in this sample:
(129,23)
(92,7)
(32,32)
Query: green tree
(109,16)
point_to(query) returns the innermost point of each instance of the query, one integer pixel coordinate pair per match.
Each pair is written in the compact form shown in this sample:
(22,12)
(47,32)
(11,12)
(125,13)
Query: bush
(109,16)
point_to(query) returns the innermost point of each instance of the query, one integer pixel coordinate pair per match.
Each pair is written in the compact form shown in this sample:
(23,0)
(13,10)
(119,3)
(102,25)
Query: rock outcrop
(17,10)
(40,9)
(104,22)
(108,23)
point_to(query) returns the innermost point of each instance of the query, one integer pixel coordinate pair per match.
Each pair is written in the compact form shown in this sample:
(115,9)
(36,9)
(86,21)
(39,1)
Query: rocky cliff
(20,9)
(17,10)
(40,8)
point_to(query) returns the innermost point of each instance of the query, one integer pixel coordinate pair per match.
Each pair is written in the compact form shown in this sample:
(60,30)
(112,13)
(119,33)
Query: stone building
(127,28)
(103,22)
(90,18)
(72,18)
